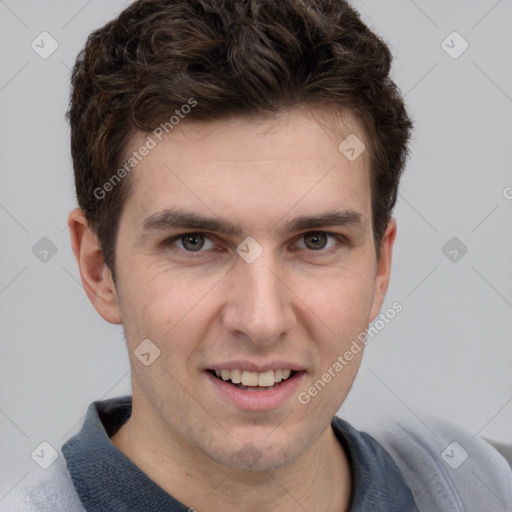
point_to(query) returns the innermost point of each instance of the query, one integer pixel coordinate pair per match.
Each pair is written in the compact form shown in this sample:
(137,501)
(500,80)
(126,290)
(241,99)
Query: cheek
(343,307)
(342,303)
(165,307)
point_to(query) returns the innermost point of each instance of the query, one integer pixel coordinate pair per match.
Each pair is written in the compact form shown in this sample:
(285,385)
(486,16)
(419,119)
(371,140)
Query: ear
(383,269)
(96,276)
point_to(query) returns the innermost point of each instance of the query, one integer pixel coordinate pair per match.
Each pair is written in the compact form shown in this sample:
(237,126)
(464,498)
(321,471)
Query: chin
(254,456)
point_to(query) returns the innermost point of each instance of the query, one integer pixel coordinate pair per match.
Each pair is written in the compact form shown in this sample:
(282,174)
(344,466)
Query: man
(236,164)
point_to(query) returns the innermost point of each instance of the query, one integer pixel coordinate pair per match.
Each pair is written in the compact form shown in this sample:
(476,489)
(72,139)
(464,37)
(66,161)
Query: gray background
(448,353)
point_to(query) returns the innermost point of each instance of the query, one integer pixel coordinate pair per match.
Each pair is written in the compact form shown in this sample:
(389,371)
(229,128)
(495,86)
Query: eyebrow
(171,218)
(344,218)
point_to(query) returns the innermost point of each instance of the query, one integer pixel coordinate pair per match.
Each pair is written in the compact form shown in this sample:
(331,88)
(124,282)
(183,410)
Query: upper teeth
(265,379)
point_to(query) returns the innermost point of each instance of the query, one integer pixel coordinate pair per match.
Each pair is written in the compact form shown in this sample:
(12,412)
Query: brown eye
(193,242)
(315,241)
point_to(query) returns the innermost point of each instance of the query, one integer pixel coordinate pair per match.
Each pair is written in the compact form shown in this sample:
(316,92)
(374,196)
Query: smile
(251,386)
(253,381)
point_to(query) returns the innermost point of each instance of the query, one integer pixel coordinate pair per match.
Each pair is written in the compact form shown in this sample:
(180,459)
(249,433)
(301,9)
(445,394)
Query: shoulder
(44,491)
(446,467)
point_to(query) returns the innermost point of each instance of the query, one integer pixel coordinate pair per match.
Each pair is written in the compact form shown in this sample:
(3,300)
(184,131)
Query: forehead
(265,164)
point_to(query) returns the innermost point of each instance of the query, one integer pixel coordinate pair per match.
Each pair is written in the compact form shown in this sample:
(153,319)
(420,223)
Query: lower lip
(257,400)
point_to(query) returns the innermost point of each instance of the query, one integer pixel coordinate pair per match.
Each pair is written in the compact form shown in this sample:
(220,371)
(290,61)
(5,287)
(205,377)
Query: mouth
(254,381)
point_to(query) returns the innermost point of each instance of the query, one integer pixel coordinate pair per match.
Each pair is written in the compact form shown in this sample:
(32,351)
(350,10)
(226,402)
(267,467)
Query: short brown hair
(232,57)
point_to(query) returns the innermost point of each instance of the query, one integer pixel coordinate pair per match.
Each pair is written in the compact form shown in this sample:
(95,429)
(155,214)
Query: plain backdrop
(448,353)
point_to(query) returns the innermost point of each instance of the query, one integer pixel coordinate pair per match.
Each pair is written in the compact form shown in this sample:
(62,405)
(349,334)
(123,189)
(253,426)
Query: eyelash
(340,239)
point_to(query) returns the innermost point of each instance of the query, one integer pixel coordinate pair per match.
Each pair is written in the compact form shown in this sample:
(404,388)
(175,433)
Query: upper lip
(256,367)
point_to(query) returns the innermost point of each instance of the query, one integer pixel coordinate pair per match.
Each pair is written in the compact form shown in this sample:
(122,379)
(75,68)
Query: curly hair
(230,57)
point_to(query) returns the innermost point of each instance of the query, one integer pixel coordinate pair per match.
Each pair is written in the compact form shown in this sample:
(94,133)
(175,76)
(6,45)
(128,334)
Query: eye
(192,242)
(319,240)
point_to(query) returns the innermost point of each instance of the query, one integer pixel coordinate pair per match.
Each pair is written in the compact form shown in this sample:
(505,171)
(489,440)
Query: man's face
(293,296)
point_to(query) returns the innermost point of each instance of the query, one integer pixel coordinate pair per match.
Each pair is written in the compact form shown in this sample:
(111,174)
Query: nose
(258,304)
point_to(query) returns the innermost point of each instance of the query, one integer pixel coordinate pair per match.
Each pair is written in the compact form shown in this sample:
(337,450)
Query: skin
(294,303)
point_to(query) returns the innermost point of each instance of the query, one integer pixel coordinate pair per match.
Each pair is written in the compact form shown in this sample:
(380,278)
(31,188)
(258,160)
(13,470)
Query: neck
(319,479)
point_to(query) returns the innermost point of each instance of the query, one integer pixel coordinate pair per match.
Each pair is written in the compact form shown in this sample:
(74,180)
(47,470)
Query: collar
(106,480)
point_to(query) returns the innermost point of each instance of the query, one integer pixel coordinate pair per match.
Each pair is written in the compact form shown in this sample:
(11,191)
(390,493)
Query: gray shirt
(400,467)
(106,480)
